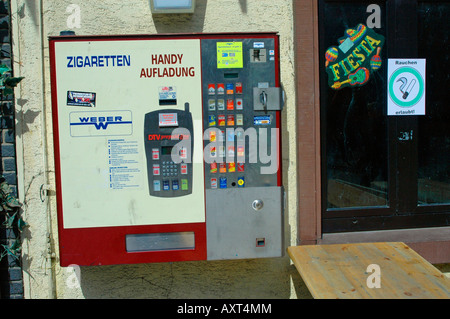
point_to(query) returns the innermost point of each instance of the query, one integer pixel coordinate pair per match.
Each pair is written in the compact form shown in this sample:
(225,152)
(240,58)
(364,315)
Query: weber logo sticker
(84,99)
(108,123)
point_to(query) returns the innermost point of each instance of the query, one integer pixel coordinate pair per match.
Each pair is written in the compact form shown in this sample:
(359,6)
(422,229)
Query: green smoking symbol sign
(406,87)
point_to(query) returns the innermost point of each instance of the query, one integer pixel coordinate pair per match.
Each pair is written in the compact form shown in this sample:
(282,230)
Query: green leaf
(16,246)
(9,220)
(9,251)
(21,224)
(3,69)
(11,201)
(12,81)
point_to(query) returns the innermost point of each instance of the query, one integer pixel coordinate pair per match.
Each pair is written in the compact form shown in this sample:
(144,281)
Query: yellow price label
(229,55)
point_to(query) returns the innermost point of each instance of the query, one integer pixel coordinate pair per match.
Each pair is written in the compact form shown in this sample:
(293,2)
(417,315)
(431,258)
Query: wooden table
(341,271)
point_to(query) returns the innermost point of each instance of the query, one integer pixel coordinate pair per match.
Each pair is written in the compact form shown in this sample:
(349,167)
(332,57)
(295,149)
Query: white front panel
(104,89)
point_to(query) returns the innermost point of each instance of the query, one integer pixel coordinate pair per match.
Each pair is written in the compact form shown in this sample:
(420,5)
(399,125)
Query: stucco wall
(33,22)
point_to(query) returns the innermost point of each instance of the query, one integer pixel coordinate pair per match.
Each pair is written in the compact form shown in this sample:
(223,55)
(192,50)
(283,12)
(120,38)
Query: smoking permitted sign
(406,87)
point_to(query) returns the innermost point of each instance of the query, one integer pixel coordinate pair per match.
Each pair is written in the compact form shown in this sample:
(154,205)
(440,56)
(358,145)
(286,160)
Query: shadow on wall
(253,278)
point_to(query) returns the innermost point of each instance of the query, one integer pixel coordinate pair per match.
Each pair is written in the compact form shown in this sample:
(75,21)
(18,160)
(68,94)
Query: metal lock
(267,99)
(257,204)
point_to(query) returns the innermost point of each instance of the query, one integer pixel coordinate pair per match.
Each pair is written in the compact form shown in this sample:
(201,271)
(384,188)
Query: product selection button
(166,185)
(220,88)
(213,152)
(157,186)
(230,88)
(211,89)
(175,185)
(238,88)
(212,120)
(230,120)
(223,182)
(156,170)
(155,153)
(230,151)
(240,151)
(184,169)
(221,120)
(230,104)
(221,104)
(239,119)
(212,105)
(212,136)
(183,153)
(239,104)
(221,151)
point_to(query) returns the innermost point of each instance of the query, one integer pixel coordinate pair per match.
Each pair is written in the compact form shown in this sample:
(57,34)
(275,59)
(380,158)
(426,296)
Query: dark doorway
(379,171)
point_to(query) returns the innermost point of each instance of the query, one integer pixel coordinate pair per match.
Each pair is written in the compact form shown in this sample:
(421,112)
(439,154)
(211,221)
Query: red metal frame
(106,245)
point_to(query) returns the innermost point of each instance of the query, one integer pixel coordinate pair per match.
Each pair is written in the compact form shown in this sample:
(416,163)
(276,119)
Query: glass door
(379,171)
(434,128)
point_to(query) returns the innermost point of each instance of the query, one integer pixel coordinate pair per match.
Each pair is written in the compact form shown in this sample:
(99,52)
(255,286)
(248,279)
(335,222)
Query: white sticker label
(168,119)
(258,45)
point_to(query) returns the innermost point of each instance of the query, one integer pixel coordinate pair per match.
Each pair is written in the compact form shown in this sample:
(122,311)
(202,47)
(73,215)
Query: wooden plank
(340,271)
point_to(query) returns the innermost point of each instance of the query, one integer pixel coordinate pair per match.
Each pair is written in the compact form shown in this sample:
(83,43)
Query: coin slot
(260,242)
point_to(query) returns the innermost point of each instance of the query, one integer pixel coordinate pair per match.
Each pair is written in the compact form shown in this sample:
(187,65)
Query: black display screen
(166,150)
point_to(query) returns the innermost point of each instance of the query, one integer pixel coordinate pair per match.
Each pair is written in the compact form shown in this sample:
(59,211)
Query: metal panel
(160,241)
(237,227)
(251,75)
(267,99)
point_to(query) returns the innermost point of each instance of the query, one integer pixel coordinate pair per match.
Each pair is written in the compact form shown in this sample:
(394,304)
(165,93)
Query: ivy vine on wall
(9,204)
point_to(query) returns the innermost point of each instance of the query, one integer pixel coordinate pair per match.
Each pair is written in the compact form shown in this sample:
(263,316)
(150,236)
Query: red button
(155,154)
(183,153)
(238,88)
(156,170)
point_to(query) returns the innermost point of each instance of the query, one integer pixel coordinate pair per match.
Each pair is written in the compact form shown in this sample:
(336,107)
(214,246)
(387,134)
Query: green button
(184,184)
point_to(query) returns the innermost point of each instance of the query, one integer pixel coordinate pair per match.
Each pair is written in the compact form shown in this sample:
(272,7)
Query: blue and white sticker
(85,99)
(167,93)
(262,120)
(105,123)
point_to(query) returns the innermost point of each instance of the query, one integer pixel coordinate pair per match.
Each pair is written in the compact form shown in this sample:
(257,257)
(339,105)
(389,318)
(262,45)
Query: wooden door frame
(306,41)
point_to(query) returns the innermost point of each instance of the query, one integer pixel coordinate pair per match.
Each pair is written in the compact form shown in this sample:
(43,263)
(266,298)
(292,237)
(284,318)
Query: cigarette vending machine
(167,147)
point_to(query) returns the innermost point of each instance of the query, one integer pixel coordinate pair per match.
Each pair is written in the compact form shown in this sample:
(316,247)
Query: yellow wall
(33,22)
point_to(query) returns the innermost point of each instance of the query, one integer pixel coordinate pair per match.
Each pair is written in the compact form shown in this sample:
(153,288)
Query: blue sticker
(230,135)
(212,120)
(223,182)
(261,120)
(166,185)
